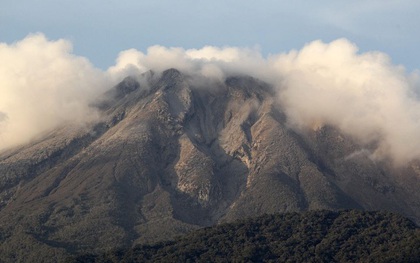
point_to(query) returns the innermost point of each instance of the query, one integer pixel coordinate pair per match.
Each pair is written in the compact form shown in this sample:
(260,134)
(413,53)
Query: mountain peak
(172,74)
(126,86)
(169,157)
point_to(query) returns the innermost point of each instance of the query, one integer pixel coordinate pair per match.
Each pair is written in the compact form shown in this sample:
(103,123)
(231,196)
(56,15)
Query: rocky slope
(174,154)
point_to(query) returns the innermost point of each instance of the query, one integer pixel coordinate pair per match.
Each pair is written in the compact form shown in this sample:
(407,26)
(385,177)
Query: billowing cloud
(3,117)
(43,85)
(362,94)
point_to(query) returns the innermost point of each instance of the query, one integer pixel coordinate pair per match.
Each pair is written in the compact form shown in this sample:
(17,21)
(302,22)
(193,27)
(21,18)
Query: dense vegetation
(317,236)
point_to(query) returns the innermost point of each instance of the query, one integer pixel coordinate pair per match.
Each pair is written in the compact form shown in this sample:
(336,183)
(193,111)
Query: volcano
(172,153)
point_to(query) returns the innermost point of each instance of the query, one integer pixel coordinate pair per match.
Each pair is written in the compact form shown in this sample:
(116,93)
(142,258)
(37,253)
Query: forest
(315,236)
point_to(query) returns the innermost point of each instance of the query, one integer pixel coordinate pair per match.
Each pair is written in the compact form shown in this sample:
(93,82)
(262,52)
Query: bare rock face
(175,155)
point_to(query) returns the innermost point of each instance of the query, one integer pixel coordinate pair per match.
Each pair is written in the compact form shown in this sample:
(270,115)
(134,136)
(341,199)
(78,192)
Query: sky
(99,30)
(352,65)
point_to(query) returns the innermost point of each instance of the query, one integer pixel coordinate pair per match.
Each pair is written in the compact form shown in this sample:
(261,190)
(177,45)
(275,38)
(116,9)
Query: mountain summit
(172,153)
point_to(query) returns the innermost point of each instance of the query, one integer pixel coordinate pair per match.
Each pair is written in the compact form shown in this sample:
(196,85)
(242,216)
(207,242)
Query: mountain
(172,153)
(320,236)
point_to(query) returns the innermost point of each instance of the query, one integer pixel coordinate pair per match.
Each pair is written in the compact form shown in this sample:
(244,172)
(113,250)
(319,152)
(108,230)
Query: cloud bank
(43,85)
(362,94)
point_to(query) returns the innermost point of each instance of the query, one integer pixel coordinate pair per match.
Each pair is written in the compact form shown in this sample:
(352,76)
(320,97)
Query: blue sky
(99,30)
(323,82)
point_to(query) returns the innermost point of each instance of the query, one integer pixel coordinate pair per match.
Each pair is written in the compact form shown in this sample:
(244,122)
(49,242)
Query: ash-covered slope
(174,154)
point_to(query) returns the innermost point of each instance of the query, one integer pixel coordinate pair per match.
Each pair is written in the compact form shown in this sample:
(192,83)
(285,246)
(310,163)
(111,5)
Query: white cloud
(363,94)
(43,85)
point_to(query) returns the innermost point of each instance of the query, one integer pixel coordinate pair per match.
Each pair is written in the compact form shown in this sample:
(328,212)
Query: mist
(43,85)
